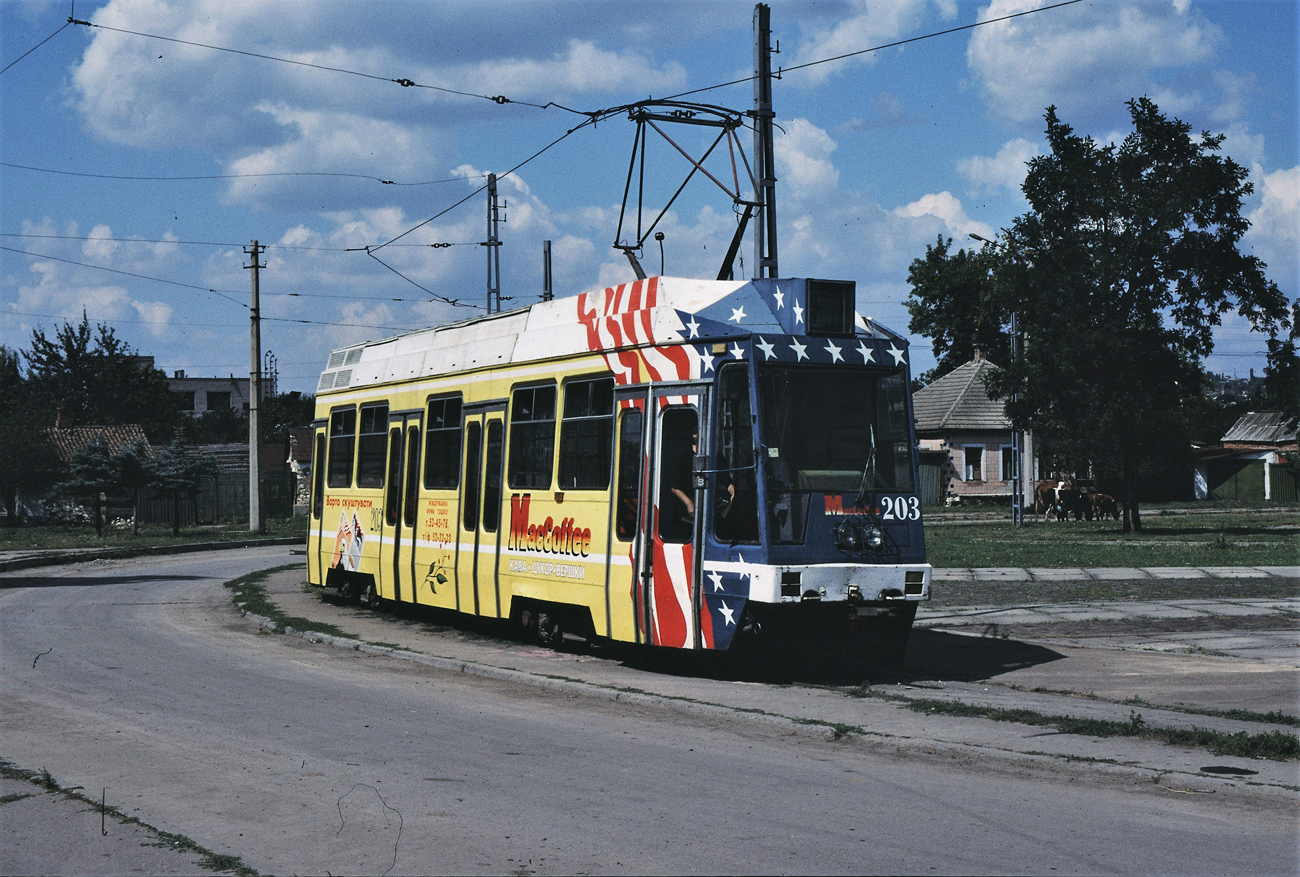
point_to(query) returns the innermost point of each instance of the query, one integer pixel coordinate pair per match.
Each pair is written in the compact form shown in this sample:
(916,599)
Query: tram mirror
(699,467)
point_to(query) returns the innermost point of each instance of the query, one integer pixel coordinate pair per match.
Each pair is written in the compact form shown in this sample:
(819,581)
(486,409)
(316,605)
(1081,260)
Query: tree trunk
(176,514)
(100,509)
(135,514)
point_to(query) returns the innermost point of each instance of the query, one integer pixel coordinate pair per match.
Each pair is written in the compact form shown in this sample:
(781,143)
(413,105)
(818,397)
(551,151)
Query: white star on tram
(738,314)
(799,351)
(896,354)
(737,351)
(716,579)
(706,359)
(767,347)
(868,355)
(729,614)
(798,312)
(694,327)
(780,299)
(833,351)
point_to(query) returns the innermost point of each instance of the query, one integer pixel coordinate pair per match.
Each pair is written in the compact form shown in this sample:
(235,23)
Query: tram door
(478,584)
(401,505)
(668,572)
(315,538)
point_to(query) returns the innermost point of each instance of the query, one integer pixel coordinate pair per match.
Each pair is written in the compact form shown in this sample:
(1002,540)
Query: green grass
(1212,536)
(973,593)
(47,537)
(248,593)
(1272,745)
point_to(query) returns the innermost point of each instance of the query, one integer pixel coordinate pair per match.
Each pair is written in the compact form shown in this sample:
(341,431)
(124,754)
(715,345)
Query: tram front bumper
(843,583)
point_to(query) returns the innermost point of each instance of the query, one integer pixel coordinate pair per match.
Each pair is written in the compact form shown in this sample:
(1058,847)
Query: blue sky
(877,154)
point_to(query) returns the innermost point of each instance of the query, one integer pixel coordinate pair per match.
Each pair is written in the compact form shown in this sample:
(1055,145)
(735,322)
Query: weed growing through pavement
(163,839)
(1272,745)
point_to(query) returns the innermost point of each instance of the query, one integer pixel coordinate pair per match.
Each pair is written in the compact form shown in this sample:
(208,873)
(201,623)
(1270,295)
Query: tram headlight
(873,536)
(848,537)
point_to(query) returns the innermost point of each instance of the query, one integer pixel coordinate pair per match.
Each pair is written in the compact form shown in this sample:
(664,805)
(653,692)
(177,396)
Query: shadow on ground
(938,655)
(30,581)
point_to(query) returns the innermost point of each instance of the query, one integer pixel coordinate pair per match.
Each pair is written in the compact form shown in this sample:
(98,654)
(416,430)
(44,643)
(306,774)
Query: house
(966,435)
(1251,462)
(200,395)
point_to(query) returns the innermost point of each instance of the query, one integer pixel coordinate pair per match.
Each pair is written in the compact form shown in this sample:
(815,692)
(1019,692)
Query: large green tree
(1126,261)
(951,306)
(93,378)
(28,462)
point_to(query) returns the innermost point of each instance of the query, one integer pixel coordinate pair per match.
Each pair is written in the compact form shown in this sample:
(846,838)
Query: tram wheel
(370,597)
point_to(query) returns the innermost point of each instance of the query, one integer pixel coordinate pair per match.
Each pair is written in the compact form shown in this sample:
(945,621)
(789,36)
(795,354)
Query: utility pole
(493,243)
(256,516)
(764,164)
(547,292)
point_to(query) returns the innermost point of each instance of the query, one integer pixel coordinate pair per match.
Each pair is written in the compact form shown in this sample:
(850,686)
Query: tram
(690,464)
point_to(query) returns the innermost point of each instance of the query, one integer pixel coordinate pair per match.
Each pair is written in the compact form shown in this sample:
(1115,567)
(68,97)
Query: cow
(1044,498)
(1101,506)
(1070,503)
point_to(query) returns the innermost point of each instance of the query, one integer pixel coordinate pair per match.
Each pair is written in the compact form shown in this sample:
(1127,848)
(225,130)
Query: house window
(185,399)
(1008,464)
(974,462)
(218,401)
(532,437)
(587,434)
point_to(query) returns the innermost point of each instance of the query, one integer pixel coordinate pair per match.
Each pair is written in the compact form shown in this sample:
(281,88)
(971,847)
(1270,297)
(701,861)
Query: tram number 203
(900,508)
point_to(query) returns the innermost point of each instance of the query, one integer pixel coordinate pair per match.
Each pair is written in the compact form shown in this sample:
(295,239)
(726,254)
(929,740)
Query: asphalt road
(308,759)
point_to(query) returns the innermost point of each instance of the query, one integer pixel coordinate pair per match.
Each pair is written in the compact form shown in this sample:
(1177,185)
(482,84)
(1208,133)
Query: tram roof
(650,312)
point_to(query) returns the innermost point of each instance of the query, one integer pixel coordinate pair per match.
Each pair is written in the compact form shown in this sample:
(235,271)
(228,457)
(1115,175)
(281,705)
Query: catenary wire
(66,237)
(34,48)
(194,177)
(402,81)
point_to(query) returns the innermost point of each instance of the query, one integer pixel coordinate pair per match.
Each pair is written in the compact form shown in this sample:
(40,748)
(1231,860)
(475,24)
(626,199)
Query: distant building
(200,395)
(1251,462)
(965,435)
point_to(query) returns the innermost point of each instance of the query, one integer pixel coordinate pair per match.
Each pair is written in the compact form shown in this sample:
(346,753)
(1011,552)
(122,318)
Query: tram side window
(587,434)
(629,474)
(343,440)
(318,477)
(371,446)
(735,497)
(442,445)
(532,437)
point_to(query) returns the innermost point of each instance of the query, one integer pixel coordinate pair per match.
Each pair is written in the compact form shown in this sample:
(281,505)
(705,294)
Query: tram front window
(830,431)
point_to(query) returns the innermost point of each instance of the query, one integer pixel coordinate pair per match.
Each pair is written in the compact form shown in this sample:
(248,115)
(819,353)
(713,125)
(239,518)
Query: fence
(222,499)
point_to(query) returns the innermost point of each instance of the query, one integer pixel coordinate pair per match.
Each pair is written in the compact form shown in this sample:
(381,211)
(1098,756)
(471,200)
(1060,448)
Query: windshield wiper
(868,468)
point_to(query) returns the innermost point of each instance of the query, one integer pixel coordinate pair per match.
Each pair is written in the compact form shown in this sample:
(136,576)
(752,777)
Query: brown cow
(1101,506)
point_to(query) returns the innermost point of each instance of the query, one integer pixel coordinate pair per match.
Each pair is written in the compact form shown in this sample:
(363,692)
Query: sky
(135,171)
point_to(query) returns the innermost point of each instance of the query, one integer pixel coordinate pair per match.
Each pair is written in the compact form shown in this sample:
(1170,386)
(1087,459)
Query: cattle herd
(1070,501)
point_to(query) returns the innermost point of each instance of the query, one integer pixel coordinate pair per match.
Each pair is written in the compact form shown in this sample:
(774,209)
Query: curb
(64,557)
(901,745)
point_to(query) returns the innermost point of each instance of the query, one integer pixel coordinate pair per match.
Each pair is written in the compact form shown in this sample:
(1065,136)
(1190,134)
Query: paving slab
(1175,572)
(1115,573)
(1237,572)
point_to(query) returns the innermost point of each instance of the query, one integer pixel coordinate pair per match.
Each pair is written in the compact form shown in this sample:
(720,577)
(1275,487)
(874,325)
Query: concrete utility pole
(493,243)
(256,516)
(764,163)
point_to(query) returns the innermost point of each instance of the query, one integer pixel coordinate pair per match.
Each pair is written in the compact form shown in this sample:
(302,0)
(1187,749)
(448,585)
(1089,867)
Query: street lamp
(1017,435)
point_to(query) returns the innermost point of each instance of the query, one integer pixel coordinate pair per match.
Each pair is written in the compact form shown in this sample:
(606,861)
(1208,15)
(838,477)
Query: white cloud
(582,68)
(946,208)
(803,160)
(870,23)
(1274,233)
(1083,56)
(1006,170)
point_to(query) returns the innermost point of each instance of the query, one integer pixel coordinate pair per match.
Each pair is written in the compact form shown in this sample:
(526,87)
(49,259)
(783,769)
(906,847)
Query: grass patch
(47,537)
(248,593)
(1272,745)
(1170,537)
(207,859)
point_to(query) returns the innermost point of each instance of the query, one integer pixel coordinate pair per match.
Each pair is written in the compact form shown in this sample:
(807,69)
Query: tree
(28,462)
(1126,261)
(951,305)
(284,412)
(180,474)
(93,378)
(92,475)
(135,471)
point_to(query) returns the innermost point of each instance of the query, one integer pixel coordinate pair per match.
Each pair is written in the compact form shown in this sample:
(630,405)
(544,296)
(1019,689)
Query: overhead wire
(402,81)
(86,239)
(196,177)
(34,48)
